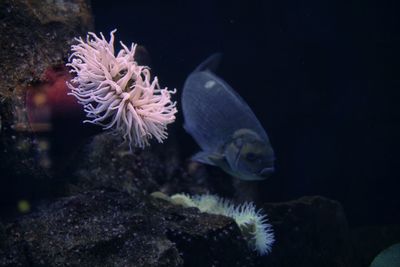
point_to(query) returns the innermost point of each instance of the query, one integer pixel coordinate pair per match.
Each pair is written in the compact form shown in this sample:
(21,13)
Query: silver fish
(224,126)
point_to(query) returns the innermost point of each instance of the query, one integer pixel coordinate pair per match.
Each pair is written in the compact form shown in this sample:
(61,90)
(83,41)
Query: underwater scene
(200,133)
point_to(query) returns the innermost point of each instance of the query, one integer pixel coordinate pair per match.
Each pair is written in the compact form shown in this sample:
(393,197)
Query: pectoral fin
(208,158)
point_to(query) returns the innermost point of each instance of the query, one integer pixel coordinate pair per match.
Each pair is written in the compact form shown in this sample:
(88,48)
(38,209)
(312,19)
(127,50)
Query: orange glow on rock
(49,100)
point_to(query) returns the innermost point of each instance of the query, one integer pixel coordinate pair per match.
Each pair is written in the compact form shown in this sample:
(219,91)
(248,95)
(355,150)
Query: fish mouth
(266,172)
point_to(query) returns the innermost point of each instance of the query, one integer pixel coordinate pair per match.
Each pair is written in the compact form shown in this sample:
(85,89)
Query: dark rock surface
(2,235)
(310,231)
(112,228)
(35,39)
(106,163)
(101,228)
(36,36)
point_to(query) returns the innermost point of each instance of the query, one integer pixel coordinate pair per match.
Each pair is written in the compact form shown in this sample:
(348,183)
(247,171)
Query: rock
(107,163)
(101,228)
(2,235)
(36,38)
(310,231)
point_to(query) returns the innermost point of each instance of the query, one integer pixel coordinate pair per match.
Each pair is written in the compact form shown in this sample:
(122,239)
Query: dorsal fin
(210,64)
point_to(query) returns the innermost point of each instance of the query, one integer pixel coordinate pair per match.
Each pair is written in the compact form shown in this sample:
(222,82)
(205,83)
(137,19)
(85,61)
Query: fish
(224,126)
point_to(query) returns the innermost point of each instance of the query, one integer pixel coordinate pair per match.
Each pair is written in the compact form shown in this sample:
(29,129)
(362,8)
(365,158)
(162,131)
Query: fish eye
(251,157)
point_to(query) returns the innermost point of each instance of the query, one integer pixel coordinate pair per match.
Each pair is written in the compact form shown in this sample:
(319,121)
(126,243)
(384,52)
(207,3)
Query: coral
(118,93)
(253,224)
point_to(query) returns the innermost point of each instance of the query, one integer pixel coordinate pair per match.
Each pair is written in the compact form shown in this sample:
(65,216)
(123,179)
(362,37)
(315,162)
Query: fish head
(249,156)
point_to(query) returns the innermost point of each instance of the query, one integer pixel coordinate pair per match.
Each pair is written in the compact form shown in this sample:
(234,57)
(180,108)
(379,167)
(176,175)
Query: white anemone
(117,93)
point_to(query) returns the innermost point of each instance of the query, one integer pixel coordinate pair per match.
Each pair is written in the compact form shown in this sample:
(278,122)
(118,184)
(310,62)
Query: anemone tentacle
(117,93)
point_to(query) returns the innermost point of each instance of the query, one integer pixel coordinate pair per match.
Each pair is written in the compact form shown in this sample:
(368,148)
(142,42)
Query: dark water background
(322,76)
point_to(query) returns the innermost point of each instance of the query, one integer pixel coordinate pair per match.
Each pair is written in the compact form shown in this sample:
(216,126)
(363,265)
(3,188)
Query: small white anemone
(253,223)
(117,93)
